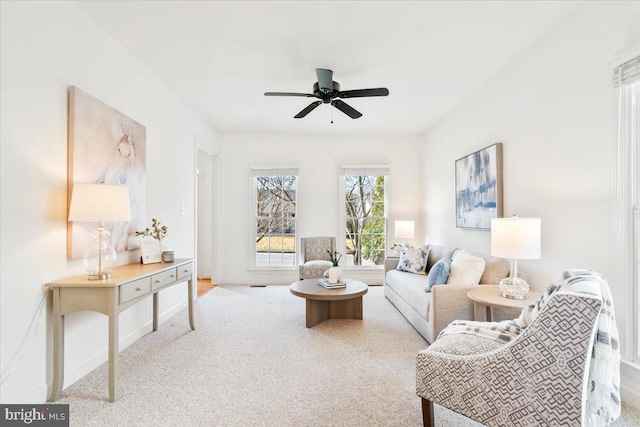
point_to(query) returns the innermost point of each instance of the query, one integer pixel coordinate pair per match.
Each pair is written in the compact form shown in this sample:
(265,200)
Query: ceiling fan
(326,90)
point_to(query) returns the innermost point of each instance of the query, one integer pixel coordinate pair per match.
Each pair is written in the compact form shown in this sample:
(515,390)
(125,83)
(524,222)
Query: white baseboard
(37,396)
(630,396)
(630,383)
(101,357)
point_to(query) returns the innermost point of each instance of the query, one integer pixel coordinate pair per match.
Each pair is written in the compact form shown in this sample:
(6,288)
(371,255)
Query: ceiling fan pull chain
(331,115)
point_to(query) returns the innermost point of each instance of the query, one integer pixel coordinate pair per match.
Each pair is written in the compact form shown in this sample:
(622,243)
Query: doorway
(205,227)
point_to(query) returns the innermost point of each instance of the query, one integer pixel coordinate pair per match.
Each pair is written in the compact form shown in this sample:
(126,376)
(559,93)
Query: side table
(128,285)
(489,296)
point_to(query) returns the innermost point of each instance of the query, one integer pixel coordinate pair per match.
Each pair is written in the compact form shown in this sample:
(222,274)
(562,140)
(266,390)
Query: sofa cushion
(436,253)
(412,260)
(495,269)
(464,345)
(438,274)
(466,268)
(411,288)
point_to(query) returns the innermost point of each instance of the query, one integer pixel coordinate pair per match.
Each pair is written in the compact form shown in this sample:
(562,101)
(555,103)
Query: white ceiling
(220,57)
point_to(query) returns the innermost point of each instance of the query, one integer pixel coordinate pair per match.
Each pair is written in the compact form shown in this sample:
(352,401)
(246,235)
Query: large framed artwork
(479,188)
(105,146)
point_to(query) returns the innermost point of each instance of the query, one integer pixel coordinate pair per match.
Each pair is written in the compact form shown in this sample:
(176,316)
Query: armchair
(314,256)
(553,372)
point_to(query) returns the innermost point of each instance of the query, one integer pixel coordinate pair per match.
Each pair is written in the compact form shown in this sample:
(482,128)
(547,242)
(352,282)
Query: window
(627,207)
(632,125)
(365,219)
(275,217)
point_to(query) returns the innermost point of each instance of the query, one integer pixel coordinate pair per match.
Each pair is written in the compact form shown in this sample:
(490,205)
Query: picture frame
(105,146)
(151,250)
(479,188)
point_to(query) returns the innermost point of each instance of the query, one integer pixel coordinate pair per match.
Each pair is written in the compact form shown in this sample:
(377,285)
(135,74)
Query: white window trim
(625,254)
(369,169)
(268,170)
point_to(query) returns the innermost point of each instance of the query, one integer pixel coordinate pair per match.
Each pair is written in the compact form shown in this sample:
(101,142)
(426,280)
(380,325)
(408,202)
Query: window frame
(626,272)
(271,171)
(361,170)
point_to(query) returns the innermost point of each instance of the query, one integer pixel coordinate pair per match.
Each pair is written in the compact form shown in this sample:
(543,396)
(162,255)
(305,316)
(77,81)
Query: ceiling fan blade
(346,108)
(306,95)
(309,108)
(325,80)
(360,93)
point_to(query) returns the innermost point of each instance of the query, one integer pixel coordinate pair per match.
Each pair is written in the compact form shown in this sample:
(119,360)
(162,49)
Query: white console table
(128,285)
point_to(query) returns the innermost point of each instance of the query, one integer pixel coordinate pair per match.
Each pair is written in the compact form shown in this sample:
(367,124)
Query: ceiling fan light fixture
(325,80)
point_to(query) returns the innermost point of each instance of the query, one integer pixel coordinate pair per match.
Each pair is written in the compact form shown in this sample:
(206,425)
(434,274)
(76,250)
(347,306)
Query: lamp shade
(405,229)
(99,202)
(517,238)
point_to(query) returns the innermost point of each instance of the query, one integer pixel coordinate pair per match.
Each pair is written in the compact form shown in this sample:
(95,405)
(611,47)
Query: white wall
(45,47)
(319,160)
(553,109)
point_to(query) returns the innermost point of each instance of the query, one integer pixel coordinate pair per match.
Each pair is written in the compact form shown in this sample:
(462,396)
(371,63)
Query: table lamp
(404,229)
(100,202)
(515,238)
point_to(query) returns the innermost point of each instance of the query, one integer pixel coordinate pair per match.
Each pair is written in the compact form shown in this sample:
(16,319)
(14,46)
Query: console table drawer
(164,278)
(134,289)
(185,271)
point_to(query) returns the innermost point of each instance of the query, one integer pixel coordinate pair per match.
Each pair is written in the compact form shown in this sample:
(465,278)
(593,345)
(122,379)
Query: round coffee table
(323,304)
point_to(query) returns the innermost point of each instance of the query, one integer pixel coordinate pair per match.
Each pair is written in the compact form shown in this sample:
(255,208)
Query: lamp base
(514,288)
(99,276)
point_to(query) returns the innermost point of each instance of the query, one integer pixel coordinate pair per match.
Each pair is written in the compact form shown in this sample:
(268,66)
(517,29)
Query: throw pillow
(466,269)
(438,274)
(412,260)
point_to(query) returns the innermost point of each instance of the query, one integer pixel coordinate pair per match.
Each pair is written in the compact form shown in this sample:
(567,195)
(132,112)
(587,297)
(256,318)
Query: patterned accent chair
(538,378)
(314,258)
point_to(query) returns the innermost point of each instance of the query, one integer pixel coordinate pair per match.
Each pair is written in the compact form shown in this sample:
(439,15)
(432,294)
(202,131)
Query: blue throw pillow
(439,273)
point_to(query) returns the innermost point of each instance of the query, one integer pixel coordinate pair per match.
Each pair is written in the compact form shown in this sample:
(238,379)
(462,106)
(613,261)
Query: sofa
(430,312)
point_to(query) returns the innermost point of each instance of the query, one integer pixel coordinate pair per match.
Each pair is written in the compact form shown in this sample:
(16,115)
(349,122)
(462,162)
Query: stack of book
(325,283)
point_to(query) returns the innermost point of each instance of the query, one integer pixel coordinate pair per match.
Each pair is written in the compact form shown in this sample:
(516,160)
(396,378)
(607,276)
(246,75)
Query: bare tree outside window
(366,225)
(275,221)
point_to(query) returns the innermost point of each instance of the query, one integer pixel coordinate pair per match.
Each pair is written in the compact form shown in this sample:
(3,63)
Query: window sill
(363,267)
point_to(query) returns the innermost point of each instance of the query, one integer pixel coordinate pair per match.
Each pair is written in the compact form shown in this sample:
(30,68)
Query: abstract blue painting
(479,188)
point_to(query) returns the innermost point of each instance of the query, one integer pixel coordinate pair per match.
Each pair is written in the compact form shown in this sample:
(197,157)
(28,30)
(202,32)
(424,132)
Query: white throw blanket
(603,399)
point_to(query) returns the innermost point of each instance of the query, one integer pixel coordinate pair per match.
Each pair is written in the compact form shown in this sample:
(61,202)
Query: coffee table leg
(317,312)
(346,309)
(320,310)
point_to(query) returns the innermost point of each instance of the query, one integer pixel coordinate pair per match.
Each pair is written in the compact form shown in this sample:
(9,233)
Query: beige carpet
(252,362)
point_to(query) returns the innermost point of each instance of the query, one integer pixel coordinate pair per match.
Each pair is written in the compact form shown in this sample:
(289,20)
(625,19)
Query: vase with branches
(156,231)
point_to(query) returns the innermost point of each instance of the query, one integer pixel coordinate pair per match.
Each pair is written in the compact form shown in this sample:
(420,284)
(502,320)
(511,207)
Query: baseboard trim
(39,395)
(630,396)
(630,383)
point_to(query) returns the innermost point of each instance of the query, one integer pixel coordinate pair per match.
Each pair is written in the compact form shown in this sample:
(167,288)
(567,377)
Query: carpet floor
(252,362)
